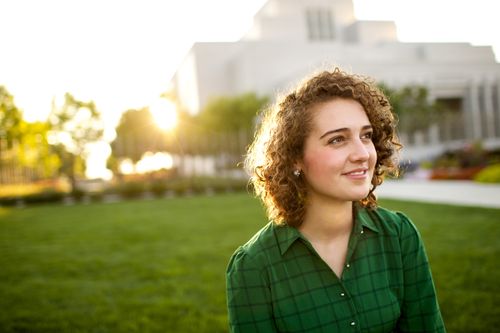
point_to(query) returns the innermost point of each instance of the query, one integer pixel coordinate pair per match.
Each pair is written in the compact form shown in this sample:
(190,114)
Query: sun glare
(148,163)
(164,114)
(154,161)
(127,167)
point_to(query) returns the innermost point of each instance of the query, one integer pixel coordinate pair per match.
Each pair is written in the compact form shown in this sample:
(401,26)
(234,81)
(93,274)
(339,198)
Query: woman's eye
(336,140)
(368,135)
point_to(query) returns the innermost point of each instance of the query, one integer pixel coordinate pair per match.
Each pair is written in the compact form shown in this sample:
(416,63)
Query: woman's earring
(296,173)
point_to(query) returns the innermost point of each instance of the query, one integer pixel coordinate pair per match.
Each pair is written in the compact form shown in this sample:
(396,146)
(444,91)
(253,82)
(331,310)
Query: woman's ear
(297,169)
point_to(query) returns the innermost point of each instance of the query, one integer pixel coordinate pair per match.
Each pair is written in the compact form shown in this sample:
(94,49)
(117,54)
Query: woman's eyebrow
(333,131)
(343,129)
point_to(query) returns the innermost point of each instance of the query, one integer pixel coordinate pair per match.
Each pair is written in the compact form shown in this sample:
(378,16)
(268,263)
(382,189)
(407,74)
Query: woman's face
(339,156)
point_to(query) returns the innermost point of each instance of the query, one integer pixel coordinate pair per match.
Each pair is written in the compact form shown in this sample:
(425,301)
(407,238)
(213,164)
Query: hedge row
(133,189)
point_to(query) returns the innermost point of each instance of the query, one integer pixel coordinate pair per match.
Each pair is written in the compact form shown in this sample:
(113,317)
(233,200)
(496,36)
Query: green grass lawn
(158,266)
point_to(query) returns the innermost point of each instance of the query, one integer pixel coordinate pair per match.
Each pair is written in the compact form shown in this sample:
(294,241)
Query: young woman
(330,260)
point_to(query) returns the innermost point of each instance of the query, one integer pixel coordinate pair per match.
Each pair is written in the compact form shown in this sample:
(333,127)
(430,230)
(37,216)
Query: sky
(122,54)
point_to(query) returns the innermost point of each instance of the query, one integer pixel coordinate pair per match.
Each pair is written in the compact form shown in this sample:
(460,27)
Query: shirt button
(342,294)
(362,231)
(347,265)
(353,323)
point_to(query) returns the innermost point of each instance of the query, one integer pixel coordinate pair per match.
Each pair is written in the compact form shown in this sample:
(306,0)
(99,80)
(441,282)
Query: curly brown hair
(279,141)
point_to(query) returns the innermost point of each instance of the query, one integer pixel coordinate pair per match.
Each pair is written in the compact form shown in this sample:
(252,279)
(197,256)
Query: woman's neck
(325,220)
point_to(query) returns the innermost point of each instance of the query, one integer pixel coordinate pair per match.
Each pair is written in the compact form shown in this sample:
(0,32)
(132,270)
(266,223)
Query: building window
(320,24)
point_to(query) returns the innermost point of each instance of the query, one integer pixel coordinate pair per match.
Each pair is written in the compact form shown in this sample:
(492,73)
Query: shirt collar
(287,235)
(363,218)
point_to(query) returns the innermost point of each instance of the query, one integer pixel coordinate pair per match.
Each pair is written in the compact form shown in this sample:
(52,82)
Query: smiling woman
(330,259)
(164,113)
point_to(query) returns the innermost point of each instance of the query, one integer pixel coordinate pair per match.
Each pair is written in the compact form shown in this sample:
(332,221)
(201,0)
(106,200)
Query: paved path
(463,193)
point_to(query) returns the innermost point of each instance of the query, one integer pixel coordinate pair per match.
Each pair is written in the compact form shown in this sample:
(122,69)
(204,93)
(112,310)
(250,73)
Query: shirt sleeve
(419,309)
(248,296)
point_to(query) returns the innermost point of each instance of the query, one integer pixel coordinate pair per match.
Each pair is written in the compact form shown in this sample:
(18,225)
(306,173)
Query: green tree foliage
(10,118)
(225,124)
(231,114)
(413,107)
(136,134)
(74,125)
(24,144)
(69,164)
(35,151)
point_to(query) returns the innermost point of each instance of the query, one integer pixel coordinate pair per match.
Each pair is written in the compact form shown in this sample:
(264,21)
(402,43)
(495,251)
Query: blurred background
(123,125)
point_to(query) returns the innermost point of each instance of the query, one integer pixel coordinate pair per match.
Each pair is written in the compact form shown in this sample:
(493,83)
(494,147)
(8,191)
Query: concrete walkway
(464,193)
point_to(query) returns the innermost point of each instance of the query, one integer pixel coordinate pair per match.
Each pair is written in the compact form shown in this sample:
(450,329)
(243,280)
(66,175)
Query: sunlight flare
(148,163)
(164,113)
(154,162)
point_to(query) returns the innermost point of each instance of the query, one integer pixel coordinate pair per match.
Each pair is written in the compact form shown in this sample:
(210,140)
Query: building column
(496,104)
(473,113)
(488,109)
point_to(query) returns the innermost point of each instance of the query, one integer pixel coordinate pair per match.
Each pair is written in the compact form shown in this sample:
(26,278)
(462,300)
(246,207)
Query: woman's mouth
(357,173)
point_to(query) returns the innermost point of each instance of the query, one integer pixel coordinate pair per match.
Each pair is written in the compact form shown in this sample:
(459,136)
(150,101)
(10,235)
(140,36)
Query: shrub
(77,194)
(489,174)
(198,187)
(179,186)
(131,189)
(96,196)
(455,173)
(158,188)
(13,192)
(463,163)
(9,201)
(45,196)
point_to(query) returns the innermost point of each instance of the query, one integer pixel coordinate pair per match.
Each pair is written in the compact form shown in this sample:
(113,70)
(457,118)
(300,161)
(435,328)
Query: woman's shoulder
(255,252)
(394,222)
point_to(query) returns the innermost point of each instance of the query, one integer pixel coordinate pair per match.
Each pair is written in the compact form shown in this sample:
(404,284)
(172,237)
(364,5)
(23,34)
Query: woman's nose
(360,151)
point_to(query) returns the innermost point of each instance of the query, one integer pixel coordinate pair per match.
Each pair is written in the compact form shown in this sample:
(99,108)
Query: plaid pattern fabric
(277,282)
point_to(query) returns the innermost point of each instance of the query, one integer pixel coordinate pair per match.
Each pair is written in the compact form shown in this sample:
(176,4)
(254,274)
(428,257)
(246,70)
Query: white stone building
(291,38)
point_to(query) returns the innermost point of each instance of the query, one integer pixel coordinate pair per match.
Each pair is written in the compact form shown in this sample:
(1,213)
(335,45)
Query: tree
(136,134)
(24,144)
(231,114)
(416,112)
(75,124)
(224,125)
(10,118)
(35,152)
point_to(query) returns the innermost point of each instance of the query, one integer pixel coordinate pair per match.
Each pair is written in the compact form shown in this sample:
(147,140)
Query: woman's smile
(357,173)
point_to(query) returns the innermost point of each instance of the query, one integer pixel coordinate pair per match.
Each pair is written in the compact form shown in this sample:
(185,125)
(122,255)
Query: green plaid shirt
(277,282)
